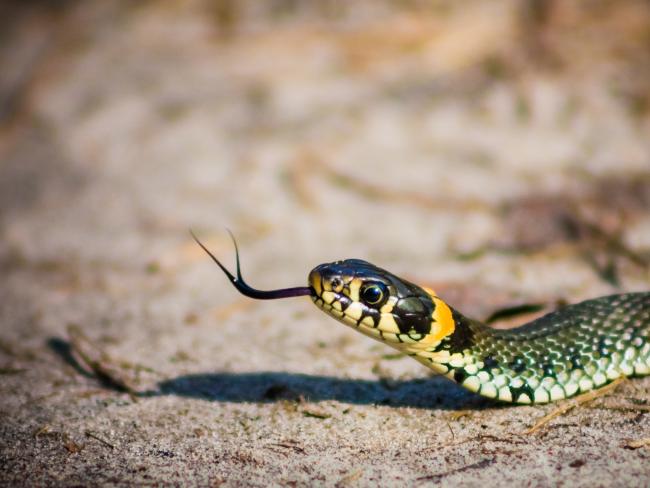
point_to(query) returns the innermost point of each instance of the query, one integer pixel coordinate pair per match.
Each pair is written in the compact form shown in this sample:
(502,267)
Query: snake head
(380,304)
(368,298)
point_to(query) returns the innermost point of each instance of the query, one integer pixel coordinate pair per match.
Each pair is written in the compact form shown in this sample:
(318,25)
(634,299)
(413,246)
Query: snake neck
(570,351)
(484,361)
(559,355)
(457,347)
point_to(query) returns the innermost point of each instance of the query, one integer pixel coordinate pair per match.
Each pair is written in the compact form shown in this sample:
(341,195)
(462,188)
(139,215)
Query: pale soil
(500,157)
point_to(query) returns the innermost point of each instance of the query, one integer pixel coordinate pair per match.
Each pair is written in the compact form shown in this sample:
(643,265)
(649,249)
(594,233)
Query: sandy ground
(497,153)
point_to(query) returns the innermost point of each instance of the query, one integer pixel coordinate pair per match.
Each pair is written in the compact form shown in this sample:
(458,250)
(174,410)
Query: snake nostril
(337,284)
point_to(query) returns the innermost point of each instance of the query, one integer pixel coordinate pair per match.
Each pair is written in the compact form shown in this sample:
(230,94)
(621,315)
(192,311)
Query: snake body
(565,353)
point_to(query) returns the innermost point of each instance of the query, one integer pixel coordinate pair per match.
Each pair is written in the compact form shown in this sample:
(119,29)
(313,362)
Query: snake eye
(374,293)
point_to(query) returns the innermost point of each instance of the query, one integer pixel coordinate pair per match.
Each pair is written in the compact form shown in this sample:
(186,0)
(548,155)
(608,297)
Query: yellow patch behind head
(442,325)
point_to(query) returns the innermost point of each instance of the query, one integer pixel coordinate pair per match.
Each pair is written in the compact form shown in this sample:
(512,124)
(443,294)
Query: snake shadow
(270,386)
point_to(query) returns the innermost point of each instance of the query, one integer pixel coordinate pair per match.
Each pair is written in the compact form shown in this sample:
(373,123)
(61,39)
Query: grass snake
(567,352)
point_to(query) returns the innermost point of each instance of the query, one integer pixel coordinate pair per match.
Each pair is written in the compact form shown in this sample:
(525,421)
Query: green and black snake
(562,354)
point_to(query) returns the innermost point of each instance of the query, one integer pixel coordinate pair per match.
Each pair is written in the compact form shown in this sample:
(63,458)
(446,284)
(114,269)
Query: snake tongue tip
(247,290)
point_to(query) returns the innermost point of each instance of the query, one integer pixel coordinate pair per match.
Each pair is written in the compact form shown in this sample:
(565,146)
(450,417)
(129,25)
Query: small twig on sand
(349,478)
(454,416)
(512,439)
(437,477)
(453,436)
(372,191)
(289,445)
(10,370)
(637,443)
(44,429)
(571,404)
(315,413)
(97,438)
(71,446)
(310,163)
(98,361)
(624,408)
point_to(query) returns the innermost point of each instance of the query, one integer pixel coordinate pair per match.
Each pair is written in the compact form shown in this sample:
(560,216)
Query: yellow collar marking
(442,324)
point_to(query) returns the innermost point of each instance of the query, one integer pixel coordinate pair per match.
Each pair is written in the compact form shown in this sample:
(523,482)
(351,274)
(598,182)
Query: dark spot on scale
(489,362)
(518,364)
(463,335)
(549,370)
(525,389)
(460,375)
(603,348)
(576,362)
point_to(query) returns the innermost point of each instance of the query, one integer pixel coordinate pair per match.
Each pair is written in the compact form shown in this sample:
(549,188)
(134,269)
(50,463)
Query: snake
(565,353)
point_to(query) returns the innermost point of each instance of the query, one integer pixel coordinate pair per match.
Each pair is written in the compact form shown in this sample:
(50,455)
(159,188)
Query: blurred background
(497,151)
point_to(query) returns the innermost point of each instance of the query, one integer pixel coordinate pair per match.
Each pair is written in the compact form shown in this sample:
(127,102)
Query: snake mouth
(247,290)
(327,294)
(379,326)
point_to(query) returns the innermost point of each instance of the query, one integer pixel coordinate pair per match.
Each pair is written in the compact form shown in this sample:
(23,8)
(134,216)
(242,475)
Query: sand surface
(496,152)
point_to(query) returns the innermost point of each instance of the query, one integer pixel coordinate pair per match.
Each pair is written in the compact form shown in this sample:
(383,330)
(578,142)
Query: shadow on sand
(264,387)
(268,387)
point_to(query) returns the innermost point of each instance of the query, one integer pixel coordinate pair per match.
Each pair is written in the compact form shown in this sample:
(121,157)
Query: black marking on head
(345,302)
(463,337)
(413,314)
(336,283)
(372,313)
